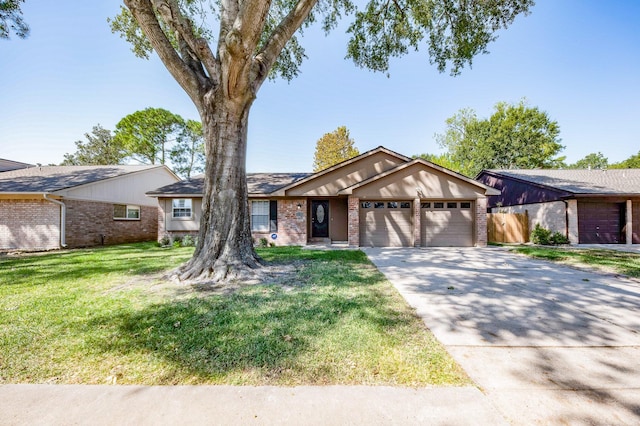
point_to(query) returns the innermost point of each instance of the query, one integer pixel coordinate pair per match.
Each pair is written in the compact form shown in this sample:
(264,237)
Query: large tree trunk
(225,247)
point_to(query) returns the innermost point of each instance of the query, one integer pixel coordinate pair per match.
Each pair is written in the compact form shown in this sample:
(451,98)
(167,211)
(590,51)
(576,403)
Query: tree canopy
(594,160)
(632,162)
(99,149)
(11,19)
(187,154)
(514,136)
(333,148)
(221,52)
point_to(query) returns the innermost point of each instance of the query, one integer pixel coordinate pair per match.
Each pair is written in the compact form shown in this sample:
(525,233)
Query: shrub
(164,241)
(188,241)
(176,241)
(557,238)
(263,243)
(544,237)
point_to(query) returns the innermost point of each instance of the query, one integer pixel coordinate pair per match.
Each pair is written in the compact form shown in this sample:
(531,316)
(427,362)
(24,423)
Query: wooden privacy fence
(508,227)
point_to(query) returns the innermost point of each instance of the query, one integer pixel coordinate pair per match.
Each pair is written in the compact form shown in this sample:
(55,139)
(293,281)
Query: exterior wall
(29,225)
(480,225)
(92,224)
(329,184)
(354,221)
(572,219)
(178,226)
(515,192)
(127,189)
(635,222)
(431,183)
(339,217)
(292,223)
(552,215)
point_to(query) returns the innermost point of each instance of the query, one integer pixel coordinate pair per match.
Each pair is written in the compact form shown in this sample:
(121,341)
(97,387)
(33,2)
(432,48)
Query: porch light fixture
(299,206)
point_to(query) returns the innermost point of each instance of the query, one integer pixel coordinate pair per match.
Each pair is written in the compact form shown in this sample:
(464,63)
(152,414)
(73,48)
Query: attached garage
(635,215)
(601,222)
(446,224)
(386,223)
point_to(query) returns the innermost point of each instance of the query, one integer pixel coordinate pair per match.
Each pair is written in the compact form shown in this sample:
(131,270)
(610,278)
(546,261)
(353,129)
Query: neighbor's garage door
(386,224)
(600,222)
(446,224)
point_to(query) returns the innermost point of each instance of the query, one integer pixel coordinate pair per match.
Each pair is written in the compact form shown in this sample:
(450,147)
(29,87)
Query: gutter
(63,218)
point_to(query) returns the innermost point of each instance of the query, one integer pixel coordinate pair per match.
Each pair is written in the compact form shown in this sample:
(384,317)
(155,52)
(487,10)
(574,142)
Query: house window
(122,211)
(465,205)
(452,205)
(378,205)
(264,216)
(405,205)
(392,205)
(181,207)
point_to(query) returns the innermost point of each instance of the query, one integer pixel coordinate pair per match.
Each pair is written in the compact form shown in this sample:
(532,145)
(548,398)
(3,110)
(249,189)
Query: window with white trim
(181,207)
(260,216)
(123,211)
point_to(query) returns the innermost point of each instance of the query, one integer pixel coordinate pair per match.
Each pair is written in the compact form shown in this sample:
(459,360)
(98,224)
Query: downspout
(63,218)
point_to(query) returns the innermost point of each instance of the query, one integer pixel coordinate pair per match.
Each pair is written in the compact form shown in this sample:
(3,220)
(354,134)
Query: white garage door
(386,224)
(446,224)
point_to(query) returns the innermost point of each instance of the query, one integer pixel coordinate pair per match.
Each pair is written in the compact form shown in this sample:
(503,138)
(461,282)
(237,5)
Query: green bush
(188,241)
(544,237)
(557,238)
(263,243)
(164,241)
(176,242)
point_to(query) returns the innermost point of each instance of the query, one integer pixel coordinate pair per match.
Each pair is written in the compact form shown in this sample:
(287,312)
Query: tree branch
(264,60)
(142,10)
(183,27)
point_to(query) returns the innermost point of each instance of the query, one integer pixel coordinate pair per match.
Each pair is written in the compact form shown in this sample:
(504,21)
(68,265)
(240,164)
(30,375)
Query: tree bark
(224,251)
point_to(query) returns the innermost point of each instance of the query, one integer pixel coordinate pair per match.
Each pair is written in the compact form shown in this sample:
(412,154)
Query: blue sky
(578,60)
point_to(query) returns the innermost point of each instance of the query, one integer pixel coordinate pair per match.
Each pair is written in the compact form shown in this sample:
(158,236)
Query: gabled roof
(6,165)
(342,164)
(488,190)
(257,183)
(56,178)
(578,181)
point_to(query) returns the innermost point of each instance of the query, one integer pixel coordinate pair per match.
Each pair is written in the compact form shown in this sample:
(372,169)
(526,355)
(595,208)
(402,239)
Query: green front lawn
(605,260)
(106,316)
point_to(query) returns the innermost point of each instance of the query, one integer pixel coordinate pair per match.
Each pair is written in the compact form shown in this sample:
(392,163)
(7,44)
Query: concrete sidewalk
(547,344)
(243,405)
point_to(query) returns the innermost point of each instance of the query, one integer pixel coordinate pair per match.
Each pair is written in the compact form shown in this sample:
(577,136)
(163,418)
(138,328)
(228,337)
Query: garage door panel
(600,222)
(385,227)
(446,226)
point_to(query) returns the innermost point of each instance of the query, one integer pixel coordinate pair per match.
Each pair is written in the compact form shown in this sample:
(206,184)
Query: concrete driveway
(547,344)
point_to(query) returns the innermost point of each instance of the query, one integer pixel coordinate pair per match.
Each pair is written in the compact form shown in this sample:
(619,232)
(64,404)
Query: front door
(319,219)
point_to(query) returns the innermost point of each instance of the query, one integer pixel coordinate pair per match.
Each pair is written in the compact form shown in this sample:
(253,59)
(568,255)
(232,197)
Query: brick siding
(292,224)
(354,222)
(92,224)
(481,222)
(29,225)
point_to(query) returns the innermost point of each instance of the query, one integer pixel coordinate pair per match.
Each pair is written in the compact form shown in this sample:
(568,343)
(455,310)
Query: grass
(105,316)
(606,260)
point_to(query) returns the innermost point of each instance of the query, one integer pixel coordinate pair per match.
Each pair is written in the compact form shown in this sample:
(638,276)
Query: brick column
(354,221)
(481,222)
(629,224)
(162,228)
(417,226)
(572,221)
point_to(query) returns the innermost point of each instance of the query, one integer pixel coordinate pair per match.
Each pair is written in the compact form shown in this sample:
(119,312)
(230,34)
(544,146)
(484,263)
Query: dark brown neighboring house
(379,198)
(589,206)
(50,207)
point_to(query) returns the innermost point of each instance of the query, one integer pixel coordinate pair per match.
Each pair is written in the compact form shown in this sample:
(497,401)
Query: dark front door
(319,219)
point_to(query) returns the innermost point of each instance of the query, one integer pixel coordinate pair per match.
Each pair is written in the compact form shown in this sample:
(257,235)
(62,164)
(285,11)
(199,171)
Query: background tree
(98,149)
(514,137)
(333,148)
(443,160)
(148,134)
(632,162)
(187,155)
(222,72)
(595,160)
(11,19)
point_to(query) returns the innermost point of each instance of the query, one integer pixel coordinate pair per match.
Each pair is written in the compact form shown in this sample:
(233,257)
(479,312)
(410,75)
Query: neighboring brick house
(44,208)
(380,198)
(588,206)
